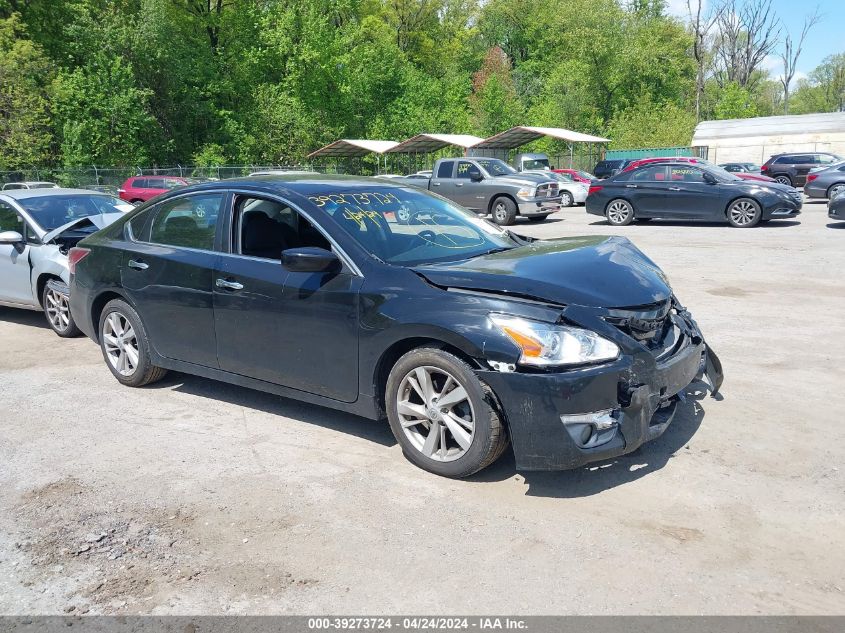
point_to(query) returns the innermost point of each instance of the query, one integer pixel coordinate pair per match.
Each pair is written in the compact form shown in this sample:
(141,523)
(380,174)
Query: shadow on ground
(764,225)
(601,476)
(32,318)
(836,225)
(374,431)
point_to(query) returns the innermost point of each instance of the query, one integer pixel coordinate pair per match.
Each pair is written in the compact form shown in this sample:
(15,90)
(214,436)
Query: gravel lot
(197,497)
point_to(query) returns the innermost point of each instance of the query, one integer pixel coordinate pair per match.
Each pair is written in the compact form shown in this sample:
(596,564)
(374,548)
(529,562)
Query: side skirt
(364,406)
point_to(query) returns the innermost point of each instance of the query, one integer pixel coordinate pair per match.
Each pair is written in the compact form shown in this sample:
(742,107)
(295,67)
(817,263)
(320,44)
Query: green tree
(735,102)
(25,116)
(649,125)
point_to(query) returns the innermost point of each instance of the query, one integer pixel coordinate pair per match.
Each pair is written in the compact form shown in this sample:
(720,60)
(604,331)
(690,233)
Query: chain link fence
(95,176)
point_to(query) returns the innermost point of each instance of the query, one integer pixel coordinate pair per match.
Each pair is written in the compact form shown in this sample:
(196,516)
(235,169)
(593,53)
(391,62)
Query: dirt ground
(195,497)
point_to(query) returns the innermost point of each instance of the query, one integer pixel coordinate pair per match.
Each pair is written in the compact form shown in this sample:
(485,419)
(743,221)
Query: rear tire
(743,213)
(125,346)
(504,211)
(835,190)
(619,212)
(566,199)
(57,311)
(784,179)
(455,440)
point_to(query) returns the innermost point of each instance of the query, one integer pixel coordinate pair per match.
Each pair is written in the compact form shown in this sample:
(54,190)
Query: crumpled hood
(601,271)
(100,221)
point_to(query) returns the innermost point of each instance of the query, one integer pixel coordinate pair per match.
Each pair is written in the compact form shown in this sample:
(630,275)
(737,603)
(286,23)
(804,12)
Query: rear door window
(445,169)
(650,173)
(189,221)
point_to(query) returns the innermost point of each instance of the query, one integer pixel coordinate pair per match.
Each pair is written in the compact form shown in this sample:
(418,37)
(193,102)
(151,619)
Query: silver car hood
(100,221)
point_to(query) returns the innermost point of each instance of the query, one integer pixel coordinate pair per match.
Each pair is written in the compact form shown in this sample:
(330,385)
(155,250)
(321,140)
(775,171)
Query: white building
(755,140)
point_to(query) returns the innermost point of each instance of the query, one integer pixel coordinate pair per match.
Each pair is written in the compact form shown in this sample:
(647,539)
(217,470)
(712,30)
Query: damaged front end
(565,418)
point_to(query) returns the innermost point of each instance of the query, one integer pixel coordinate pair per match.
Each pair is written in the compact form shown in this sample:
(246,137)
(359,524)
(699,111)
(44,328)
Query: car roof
(21,194)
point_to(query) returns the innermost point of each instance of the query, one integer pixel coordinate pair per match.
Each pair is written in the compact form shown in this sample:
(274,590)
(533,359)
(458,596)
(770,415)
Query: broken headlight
(549,345)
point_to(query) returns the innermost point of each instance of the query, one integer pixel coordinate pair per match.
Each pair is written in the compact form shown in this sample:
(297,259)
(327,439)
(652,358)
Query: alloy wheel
(784,180)
(618,211)
(57,309)
(566,199)
(436,413)
(500,212)
(743,212)
(121,344)
(835,190)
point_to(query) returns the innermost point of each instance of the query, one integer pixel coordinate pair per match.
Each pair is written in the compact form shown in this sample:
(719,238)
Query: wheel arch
(836,184)
(389,357)
(502,195)
(99,304)
(41,283)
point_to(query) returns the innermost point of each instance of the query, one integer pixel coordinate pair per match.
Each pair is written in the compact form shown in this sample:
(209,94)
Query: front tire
(744,213)
(57,311)
(504,211)
(125,346)
(444,418)
(619,212)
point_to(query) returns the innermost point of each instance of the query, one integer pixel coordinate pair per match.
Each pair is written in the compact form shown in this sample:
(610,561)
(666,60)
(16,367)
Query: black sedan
(462,334)
(690,192)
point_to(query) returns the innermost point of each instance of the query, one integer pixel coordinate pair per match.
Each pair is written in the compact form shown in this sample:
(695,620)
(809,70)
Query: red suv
(694,160)
(141,188)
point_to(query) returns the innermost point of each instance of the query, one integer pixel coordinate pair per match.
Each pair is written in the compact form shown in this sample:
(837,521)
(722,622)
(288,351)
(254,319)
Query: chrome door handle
(674,188)
(137,265)
(229,285)
(459,184)
(631,186)
(435,184)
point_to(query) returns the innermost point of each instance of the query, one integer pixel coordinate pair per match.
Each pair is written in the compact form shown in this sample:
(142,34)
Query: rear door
(15,271)
(689,196)
(442,180)
(646,189)
(803,163)
(299,330)
(167,273)
(469,193)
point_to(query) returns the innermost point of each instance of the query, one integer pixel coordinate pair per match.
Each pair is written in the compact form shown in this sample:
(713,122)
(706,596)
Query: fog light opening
(589,430)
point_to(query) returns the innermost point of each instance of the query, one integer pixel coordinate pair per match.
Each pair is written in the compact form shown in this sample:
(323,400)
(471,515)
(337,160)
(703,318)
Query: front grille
(548,190)
(650,325)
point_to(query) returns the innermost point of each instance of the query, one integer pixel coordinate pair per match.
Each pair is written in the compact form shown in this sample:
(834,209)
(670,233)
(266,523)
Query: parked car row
(465,336)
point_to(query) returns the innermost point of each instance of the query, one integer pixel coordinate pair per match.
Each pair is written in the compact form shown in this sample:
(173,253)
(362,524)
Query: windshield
(51,212)
(532,163)
(407,227)
(495,167)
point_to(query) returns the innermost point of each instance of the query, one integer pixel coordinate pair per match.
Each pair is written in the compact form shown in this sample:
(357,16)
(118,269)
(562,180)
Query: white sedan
(37,228)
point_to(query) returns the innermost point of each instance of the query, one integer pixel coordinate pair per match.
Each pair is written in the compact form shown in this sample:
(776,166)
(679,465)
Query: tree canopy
(142,82)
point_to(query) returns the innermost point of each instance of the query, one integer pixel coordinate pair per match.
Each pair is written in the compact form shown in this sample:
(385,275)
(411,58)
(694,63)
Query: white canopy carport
(522,134)
(352,148)
(424,143)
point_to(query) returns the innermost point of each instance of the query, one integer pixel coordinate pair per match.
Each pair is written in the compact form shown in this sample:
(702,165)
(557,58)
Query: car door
(645,188)
(154,187)
(443,181)
(167,273)
(299,330)
(469,186)
(803,163)
(690,196)
(15,271)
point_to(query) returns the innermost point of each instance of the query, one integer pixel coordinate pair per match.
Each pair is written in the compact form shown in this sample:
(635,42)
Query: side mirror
(710,179)
(310,259)
(475,176)
(11,237)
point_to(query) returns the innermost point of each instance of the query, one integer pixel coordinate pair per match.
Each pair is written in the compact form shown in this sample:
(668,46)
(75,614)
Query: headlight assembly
(527,192)
(548,345)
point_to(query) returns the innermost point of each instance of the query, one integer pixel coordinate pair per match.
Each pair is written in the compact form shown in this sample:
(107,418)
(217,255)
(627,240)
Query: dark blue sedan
(684,191)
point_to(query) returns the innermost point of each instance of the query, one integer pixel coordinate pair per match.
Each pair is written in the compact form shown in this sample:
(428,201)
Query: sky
(824,39)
